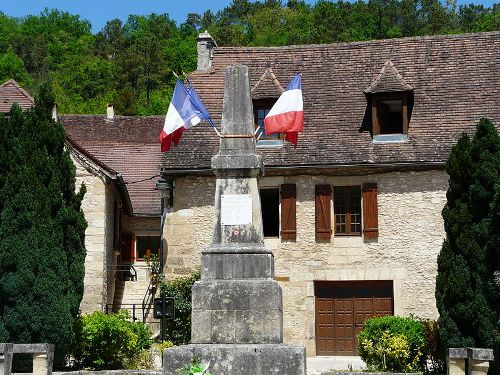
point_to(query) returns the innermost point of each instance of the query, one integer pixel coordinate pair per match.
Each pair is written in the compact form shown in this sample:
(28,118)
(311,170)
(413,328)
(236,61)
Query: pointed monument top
(237,145)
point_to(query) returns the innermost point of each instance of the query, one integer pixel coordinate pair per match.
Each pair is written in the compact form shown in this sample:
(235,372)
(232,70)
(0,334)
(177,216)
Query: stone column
(237,318)
(456,361)
(479,361)
(6,353)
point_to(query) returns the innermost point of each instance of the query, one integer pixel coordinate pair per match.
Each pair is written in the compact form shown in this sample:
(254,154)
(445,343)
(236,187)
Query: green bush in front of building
(393,343)
(110,341)
(178,330)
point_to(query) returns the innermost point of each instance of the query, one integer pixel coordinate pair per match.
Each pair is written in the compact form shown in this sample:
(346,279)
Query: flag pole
(185,75)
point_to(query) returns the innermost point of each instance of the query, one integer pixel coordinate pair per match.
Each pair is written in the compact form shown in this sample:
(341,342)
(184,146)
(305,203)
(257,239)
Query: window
(261,108)
(146,245)
(270,203)
(347,210)
(390,114)
(278,222)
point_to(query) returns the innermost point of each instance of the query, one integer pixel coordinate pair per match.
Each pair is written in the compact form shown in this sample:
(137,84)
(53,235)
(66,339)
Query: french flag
(287,114)
(185,110)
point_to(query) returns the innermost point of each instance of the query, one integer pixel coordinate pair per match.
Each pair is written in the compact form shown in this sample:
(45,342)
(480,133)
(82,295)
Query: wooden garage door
(341,309)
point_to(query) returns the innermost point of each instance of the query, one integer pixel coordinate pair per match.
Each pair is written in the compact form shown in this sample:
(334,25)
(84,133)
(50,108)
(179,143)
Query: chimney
(206,45)
(110,112)
(55,116)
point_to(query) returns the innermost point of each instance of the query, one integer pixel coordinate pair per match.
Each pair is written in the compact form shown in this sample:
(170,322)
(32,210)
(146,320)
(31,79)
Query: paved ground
(318,365)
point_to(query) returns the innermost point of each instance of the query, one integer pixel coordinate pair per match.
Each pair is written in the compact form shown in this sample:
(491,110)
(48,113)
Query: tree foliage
(178,330)
(42,230)
(466,292)
(131,63)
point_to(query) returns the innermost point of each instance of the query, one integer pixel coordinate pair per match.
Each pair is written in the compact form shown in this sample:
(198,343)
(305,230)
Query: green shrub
(178,330)
(195,368)
(393,343)
(110,341)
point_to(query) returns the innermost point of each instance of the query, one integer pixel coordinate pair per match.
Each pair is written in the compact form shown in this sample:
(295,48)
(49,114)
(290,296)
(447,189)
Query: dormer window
(261,108)
(389,97)
(390,114)
(265,92)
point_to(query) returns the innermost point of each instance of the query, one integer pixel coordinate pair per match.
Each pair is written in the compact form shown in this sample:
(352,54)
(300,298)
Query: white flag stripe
(173,120)
(289,101)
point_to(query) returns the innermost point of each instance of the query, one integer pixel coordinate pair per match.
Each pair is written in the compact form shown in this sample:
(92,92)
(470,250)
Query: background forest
(130,64)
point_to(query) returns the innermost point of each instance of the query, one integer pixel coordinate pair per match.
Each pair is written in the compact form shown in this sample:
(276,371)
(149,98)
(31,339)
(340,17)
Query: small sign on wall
(236,209)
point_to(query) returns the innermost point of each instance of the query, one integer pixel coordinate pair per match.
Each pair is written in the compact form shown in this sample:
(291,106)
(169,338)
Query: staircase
(131,295)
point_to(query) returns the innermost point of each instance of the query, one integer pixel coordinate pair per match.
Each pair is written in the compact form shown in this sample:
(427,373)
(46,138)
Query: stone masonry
(410,237)
(98,209)
(237,318)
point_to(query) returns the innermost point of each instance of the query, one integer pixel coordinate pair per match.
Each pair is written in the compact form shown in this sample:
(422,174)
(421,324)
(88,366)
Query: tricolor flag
(287,114)
(185,110)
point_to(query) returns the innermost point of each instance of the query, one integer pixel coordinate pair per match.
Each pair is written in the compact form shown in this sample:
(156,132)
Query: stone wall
(410,237)
(97,206)
(189,227)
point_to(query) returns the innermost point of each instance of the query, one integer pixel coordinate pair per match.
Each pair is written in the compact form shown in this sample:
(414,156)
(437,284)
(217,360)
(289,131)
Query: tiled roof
(10,93)
(127,145)
(455,81)
(267,86)
(389,80)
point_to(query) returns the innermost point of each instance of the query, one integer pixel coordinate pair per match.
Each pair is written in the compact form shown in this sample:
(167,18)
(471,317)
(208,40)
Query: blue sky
(100,11)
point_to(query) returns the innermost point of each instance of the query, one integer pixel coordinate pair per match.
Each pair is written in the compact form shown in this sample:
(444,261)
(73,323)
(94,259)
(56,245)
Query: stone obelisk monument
(237,318)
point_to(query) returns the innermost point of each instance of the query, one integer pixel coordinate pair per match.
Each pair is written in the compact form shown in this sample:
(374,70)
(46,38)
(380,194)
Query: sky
(98,12)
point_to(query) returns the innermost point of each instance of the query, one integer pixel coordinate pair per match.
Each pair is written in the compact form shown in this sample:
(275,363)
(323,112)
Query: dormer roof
(267,86)
(10,93)
(388,80)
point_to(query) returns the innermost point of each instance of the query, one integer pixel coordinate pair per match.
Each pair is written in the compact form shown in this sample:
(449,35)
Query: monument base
(239,359)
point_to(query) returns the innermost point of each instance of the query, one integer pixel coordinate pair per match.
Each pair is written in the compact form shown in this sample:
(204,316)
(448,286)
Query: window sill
(390,138)
(269,143)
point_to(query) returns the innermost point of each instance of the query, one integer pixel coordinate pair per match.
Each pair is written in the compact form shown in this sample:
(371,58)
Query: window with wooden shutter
(370,210)
(288,212)
(323,195)
(347,210)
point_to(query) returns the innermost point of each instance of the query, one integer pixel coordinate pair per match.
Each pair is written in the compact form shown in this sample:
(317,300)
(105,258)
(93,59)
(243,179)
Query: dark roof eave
(300,169)
(122,188)
(146,215)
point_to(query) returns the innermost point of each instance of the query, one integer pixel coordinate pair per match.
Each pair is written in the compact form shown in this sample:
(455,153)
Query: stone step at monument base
(239,359)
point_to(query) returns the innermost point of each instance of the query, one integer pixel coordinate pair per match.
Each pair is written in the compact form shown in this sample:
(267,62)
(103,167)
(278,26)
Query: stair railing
(149,297)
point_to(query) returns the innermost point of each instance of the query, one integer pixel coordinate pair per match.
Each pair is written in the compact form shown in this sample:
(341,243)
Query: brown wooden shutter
(323,212)
(288,212)
(370,210)
(125,251)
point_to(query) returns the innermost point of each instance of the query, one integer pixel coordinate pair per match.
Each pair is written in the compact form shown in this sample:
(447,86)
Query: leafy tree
(466,294)
(42,230)
(12,67)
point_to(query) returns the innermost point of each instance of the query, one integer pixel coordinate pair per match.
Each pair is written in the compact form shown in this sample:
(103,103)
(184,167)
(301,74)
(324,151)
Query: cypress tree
(466,292)
(42,230)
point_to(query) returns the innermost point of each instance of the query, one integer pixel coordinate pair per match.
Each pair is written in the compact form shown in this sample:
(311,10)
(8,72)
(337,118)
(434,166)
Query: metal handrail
(110,307)
(148,299)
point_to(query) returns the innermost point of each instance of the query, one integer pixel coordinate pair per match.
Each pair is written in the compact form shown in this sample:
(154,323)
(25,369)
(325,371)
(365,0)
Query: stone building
(353,214)
(117,158)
